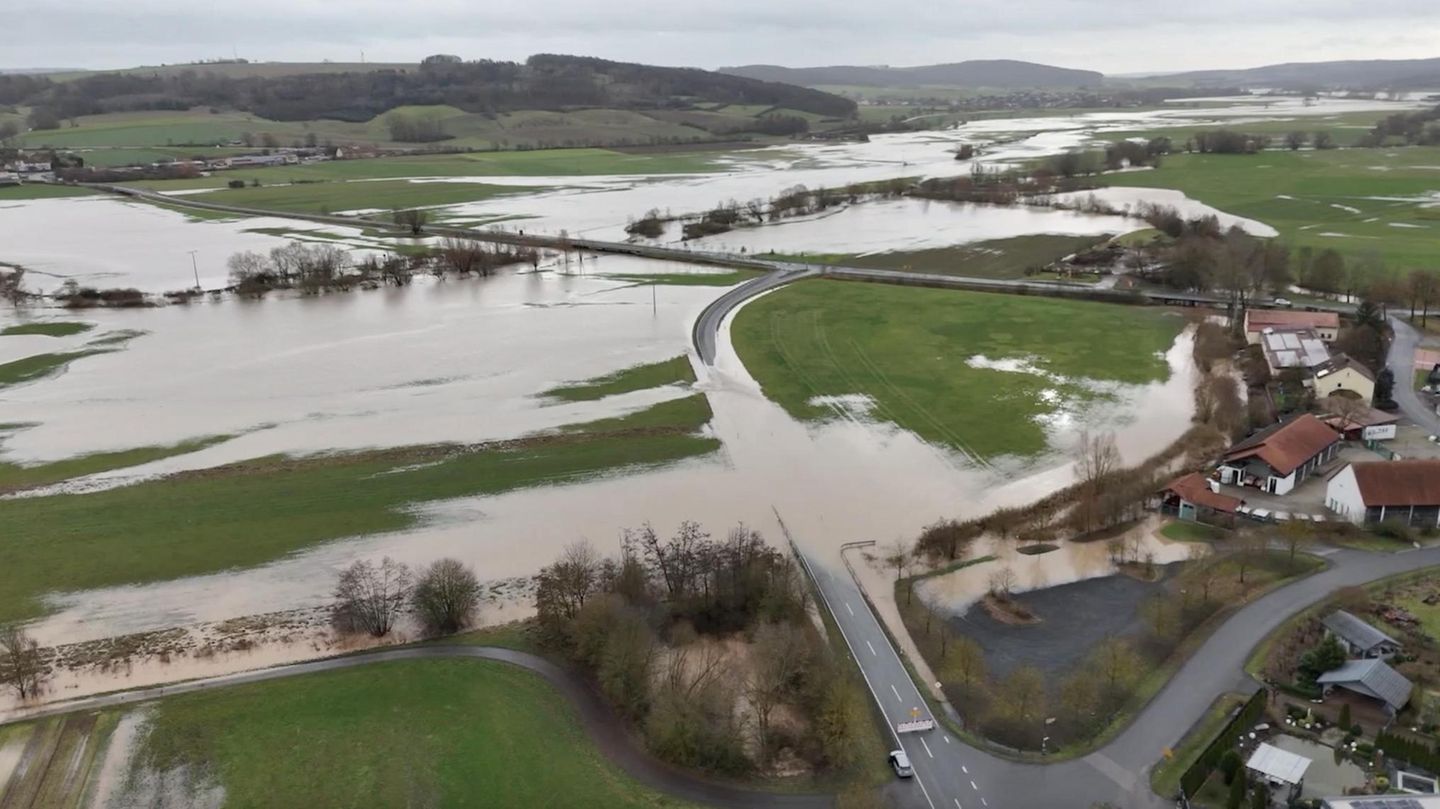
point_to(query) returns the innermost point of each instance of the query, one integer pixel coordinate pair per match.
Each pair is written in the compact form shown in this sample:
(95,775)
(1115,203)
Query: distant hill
(993,73)
(1369,74)
(360,92)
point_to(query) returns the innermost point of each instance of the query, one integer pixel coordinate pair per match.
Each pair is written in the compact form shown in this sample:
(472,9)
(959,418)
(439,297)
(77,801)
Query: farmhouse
(1407,491)
(1196,498)
(1278,458)
(1341,374)
(1359,638)
(1324,324)
(1373,681)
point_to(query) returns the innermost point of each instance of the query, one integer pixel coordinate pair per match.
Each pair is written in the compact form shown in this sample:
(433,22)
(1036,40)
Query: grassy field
(521,129)
(14,477)
(994,258)
(53,328)
(254,512)
(674,371)
(389,735)
(41,191)
(29,369)
(331,197)
(1182,531)
(910,350)
(1345,128)
(1327,199)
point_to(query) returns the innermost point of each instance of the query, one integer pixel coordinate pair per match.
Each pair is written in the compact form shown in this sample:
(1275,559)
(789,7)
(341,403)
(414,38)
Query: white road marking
(872,649)
(964,769)
(972,786)
(982,800)
(897,693)
(847,609)
(957,804)
(946,738)
(925,791)
(927,748)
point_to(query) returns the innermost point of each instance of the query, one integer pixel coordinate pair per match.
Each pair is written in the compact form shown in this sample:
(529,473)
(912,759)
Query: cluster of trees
(797,200)
(542,82)
(1011,186)
(22,666)
(1413,128)
(1227,141)
(653,626)
(780,124)
(415,128)
(650,226)
(316,268)
(371,598)
(1122,153)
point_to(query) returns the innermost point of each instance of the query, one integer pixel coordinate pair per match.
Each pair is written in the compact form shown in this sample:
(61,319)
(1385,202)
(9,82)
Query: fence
(1225,740)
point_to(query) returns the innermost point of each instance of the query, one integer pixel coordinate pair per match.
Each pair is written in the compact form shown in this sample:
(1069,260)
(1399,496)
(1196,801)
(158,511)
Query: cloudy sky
(1115,36)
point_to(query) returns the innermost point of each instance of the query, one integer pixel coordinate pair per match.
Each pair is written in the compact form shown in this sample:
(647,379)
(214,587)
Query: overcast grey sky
(1115,36)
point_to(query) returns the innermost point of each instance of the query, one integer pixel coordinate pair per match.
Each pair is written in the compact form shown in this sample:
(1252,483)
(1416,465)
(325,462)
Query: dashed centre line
(847,609)
(957,804)
(872,649)
(896,693)
(972,786)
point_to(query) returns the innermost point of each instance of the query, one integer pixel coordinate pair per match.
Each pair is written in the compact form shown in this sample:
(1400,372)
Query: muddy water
(460,360)
(1132,199)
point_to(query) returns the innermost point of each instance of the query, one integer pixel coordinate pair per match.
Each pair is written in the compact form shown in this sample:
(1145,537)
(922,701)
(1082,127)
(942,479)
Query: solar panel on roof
(1386,803)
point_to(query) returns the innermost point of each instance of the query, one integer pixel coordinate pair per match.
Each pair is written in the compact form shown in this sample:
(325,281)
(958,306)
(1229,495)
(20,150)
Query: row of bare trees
(658,628)
(315,268)
(370,598)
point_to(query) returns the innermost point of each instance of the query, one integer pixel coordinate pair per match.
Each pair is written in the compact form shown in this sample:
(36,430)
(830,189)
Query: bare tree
(446,596)
(1250,546)
(1097,459)
(1022,694)
(369,598)
(1295,140)
(778,663)
(1116,662)
(22,667)
(414,218)
(1296,535)
(562,588)
(968,662)
(11,286)
(1002,582)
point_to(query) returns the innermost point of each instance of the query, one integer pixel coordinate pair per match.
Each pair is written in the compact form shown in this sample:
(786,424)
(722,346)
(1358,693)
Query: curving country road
(607,730)
(1401,362)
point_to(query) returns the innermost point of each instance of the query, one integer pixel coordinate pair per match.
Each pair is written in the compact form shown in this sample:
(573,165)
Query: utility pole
(654,307)
(196,269)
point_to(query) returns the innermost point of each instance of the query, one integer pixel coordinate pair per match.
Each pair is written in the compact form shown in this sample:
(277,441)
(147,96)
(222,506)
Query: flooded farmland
(467,360)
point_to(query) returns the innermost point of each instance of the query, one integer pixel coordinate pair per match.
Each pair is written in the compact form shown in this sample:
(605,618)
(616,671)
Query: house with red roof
(1197,498)
(1406,491)
(1279,458)
(1258,321)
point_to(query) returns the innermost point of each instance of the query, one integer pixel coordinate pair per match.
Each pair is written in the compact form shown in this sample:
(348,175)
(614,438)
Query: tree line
(1420,128)
(656,628)
(544,81)
(316,268)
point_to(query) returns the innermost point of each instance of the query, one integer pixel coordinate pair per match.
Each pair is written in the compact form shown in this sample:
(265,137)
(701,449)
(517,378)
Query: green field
(41,191)
(14,477)
(332,197)
(994,258)
(404,733)
(258,511)
(521,129)
(1345,128)
(687,279)
(908,349)
(1182,531)
(29,369)
(1300,194)
(674,371)
(52,328)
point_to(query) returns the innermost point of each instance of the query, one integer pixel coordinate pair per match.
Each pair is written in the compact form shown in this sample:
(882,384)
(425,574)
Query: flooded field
(466,360)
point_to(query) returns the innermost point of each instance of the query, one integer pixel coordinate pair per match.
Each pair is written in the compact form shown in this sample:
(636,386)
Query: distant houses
(1280,457)
(1406,491)
(1326,325)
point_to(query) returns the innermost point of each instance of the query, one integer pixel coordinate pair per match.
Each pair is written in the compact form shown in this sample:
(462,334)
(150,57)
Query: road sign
(915,726)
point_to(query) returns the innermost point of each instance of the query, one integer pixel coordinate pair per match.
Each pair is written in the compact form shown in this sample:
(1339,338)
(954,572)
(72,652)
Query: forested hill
(989,73)
(543,82)
(1368,74)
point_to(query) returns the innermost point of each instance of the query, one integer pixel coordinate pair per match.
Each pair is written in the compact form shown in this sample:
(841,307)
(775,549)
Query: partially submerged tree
(22,667)
(369,598)
(446,596)
(414,218)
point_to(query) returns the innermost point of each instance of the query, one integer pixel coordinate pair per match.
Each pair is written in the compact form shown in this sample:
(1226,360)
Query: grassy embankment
(910,351)
(15,477)
(674,371)
(257,511)
(994,258)
(51,328)
(36,366)
(383,735)
(687,279)
(1165,776)
(1307,195)
(11,193)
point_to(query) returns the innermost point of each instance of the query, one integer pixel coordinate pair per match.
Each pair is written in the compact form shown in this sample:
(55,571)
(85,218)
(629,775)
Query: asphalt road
(608,731)
(953,775)
(706,331)
(1401,362)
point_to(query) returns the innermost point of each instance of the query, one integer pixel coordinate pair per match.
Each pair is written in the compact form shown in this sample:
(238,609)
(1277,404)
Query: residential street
(1401,362)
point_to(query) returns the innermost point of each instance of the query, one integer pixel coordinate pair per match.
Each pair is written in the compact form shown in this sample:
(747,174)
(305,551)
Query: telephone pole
(196,269)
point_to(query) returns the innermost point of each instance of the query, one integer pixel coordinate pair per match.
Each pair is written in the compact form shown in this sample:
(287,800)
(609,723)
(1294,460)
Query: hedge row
(1419,754)
(1248,715)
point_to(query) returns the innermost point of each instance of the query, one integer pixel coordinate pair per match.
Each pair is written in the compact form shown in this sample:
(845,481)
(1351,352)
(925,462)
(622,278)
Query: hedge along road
(606,730)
